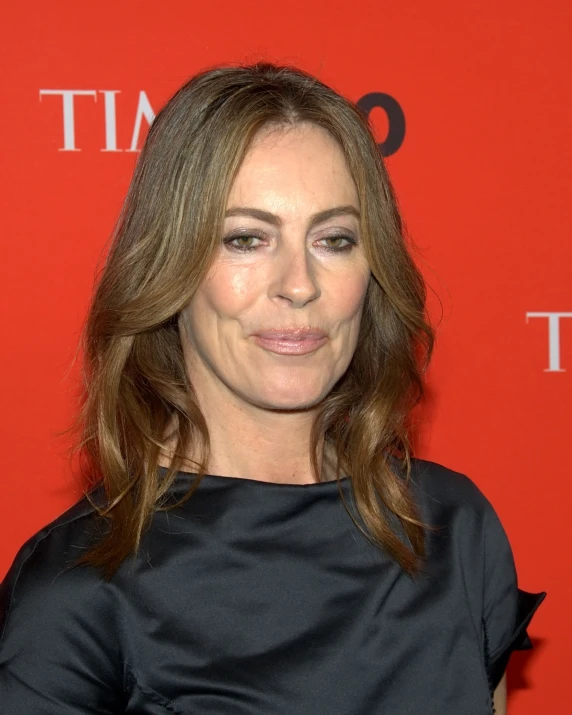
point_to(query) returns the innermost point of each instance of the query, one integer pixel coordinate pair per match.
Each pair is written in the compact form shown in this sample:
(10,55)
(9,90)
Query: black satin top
(256,598)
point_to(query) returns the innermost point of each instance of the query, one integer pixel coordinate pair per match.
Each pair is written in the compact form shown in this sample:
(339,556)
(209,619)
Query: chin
(289,400)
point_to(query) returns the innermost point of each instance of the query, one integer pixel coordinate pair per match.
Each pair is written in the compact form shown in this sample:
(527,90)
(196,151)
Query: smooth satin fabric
(261,598)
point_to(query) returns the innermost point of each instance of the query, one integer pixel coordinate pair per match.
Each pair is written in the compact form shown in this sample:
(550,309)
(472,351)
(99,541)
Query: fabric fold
(527,606)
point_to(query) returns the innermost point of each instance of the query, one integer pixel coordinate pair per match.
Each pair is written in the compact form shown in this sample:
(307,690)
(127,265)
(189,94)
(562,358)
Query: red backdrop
(482,173)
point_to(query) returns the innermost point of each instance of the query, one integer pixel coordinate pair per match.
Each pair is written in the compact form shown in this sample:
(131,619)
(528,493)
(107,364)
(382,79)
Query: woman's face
(291,257)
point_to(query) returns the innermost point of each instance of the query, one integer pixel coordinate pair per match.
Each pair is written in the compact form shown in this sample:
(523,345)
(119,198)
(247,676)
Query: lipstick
(295,341)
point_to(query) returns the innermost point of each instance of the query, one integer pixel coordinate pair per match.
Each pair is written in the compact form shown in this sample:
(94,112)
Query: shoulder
(443,484)
(60,646)
(442,492)
(466,532)
(41,574)
(462,514)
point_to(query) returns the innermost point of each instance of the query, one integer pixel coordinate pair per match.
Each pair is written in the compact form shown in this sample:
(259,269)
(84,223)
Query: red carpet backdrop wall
(472,106)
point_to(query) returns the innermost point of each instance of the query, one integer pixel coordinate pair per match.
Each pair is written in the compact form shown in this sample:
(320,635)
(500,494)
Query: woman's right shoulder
(60,646)
(40,572)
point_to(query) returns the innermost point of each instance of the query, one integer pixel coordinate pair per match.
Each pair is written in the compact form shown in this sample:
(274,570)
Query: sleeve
(508,610)
(57,652)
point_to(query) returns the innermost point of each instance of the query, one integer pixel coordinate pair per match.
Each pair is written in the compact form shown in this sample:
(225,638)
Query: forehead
(301,163)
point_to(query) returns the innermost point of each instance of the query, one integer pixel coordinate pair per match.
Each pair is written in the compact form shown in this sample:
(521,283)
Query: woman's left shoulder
(438,489)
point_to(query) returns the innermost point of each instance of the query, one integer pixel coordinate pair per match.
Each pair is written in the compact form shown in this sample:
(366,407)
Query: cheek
(227,292)
(349,296)
(236,288)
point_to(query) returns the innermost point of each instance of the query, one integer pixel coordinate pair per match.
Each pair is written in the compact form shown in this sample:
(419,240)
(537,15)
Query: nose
(294,277)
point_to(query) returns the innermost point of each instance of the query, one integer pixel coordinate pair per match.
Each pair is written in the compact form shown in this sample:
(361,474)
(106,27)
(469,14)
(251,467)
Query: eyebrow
(271,218)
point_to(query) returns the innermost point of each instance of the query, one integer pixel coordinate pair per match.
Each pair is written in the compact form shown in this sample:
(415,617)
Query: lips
(292,334)
(291,342)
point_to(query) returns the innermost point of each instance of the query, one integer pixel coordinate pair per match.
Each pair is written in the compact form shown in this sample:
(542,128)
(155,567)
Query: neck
(249,442)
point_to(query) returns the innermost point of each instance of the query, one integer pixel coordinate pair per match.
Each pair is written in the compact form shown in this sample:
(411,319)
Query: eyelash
(247,249)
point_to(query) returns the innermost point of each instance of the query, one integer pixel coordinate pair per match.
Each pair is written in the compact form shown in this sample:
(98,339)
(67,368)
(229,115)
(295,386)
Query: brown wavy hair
(137,394)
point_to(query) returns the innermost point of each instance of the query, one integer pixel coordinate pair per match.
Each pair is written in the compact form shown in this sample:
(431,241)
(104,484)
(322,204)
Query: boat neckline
(282,485)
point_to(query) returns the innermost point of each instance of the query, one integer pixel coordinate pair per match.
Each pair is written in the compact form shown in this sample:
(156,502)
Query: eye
(351,242)
(243,243)
(241,240)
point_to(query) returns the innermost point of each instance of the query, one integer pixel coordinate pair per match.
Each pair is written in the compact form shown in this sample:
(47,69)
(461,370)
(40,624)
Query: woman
(259,538)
